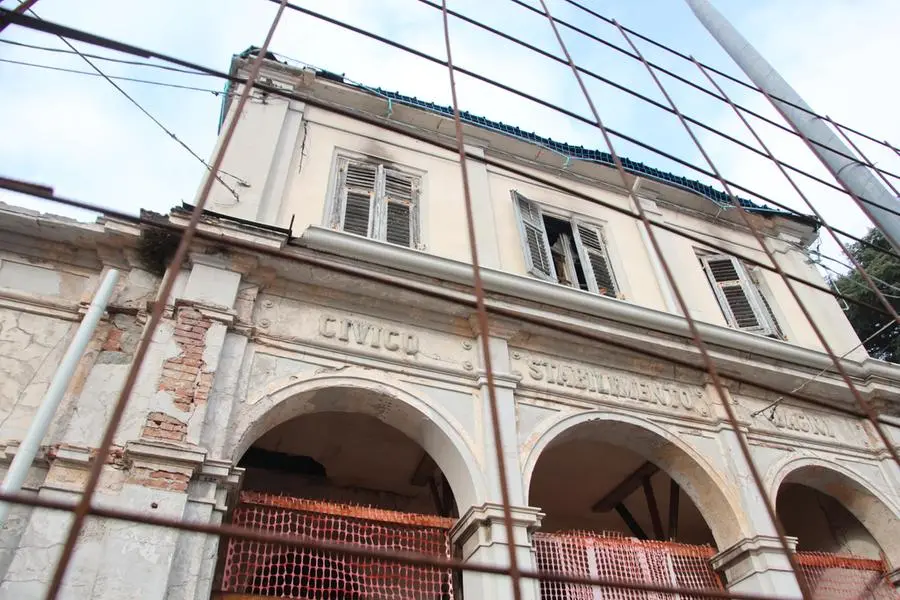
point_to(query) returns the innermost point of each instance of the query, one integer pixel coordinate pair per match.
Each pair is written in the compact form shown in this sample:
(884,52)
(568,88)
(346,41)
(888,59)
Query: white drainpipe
(30,445)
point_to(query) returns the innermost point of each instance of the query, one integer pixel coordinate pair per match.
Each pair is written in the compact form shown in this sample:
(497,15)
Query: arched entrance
(353,460)
(848,535)
(625,499)
(841,513)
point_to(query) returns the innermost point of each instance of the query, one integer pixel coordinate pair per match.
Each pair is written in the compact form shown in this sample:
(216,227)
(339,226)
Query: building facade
(319,354)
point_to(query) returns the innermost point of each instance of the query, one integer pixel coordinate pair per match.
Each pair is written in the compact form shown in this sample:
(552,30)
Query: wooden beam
(615,497)
(629,520)
(674,494)
(424,470)
(654,510)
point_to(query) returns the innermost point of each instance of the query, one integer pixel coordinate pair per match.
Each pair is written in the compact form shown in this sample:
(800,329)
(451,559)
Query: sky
(79,135)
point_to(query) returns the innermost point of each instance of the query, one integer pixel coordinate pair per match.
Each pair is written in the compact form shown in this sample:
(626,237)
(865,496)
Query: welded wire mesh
(629,568)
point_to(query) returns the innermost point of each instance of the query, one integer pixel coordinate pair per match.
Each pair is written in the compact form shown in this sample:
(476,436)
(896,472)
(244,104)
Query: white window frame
(377,229)
(766,324)
(575,221)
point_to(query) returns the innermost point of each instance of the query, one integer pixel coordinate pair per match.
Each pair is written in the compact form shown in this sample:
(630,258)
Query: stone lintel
(483,526)
(751,556)
(156,455)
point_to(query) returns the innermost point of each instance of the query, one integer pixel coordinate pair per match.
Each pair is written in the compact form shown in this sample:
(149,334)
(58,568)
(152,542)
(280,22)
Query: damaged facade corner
(294,382)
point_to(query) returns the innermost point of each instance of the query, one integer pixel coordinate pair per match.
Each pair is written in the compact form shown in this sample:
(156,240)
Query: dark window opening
(564,253)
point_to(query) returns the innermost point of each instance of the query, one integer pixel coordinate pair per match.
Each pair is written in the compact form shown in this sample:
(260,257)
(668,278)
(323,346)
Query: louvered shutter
(736,294)
(535,244)
(358,181)
(401,193)
(595,260)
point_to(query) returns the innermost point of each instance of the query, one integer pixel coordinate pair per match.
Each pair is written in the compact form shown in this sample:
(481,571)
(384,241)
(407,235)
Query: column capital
(483,526)
(753,557)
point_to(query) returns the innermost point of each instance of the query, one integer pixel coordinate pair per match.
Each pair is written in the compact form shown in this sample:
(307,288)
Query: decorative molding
(750,556)
(484,525)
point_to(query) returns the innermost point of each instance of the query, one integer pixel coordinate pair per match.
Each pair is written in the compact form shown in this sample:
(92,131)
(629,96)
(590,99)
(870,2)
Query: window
(567,251)
(743,303)
(376,201)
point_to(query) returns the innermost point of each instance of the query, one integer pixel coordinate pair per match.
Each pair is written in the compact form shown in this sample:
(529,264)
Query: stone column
(755,564)
(758,565)
(480,534)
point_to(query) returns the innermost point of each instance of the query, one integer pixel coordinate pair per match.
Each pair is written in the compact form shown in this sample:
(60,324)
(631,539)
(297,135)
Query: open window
(568,251)
(376,201)
(744,305)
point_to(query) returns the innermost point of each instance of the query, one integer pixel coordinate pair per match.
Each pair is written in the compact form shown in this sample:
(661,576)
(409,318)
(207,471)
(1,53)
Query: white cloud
(79,135)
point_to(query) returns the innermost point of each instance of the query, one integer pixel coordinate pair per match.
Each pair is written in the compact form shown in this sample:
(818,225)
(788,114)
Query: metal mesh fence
(275,570)
(832,576)
(611,556)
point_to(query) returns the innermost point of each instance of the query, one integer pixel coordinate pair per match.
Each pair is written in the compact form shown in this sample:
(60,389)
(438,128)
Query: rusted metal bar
(839,366)
(856,264)
(448,296)
(20,9)
(865,160)
(481,316)
(399,557)
(57,29)
(708,363)
(83,507)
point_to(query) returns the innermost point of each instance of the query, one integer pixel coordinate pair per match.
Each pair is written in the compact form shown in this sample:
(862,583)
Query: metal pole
(873,198)
(28,449)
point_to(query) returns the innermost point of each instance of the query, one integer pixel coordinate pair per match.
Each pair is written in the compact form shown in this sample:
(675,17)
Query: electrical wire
(732,78)
(636,94)
(152,118)
(106,58)
(277,91)
(115,77)
(806,382)
(144,53)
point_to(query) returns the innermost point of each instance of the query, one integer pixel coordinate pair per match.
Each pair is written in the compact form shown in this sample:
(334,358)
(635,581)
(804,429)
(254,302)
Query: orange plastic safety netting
(834,577)
(273,570)
(615,557)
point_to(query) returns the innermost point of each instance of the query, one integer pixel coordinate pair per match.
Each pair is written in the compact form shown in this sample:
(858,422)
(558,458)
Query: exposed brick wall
(159,479)
(164,427)
(183,376)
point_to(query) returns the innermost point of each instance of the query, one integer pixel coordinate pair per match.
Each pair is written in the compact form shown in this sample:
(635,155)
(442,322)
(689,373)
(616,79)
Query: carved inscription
(666,395)
(795,420)
(365,333)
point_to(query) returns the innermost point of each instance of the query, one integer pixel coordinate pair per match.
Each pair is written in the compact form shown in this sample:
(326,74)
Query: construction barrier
(612,556)
(253,569)
(836,577)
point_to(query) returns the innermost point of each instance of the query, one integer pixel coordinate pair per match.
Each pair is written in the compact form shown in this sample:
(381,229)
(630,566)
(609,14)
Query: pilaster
(481,536)
(758,565)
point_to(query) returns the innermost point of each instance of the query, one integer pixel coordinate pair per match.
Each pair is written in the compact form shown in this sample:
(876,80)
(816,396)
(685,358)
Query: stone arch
(879,514)
(682,463)
(371,393)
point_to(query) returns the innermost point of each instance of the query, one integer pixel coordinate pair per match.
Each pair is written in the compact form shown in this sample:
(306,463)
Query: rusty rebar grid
(163,522)
(397,556)
(81,509)
(483,325)
(57,29)
(862,271)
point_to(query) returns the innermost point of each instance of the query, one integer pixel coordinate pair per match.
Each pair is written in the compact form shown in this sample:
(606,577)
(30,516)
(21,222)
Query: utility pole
(855,176)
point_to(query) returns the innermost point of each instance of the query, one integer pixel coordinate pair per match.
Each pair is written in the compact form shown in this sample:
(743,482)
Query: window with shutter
(400,191)
(594,260)
(738,297)
(377,202)
(534,238)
